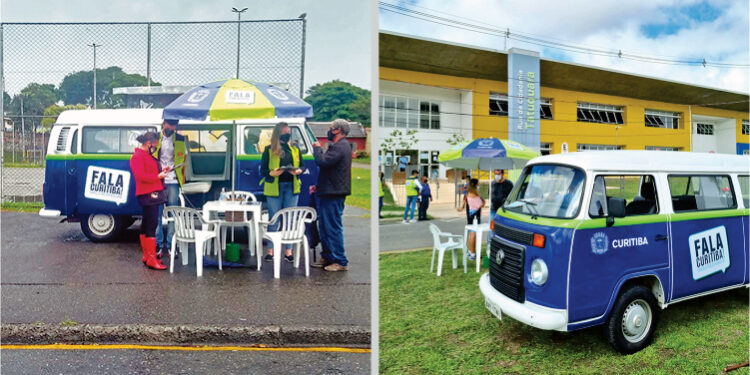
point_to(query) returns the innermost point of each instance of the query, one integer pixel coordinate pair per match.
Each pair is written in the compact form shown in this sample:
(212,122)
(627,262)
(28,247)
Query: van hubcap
(101,224)
(636,321)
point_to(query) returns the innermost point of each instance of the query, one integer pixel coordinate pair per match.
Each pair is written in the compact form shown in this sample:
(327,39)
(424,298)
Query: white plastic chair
(441,247)
(245,197)
(290,231)
(185,232)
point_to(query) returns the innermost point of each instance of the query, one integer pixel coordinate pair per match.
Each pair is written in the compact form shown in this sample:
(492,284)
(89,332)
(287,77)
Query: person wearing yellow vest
(171,151)
(280,168)
(412,193)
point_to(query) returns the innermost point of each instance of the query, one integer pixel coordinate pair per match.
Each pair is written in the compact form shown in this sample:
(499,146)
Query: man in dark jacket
(501,188)
(334,184)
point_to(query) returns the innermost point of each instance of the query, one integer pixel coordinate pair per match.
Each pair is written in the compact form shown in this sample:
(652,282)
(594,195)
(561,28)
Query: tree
(52,112)
(338,99)
(6,102)
(397,140)
(455,139)
(35,98)
(76,88)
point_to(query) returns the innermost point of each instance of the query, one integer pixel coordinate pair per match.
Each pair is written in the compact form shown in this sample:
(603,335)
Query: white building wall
(723,141)
(455,114)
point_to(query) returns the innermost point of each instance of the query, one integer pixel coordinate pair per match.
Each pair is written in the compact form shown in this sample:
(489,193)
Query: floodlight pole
(94,45)
(239,20)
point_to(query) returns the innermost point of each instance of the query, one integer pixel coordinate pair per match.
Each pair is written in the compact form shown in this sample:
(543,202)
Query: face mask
(331,136)
(284,138)
(498,178)
(168,132)
(152,149)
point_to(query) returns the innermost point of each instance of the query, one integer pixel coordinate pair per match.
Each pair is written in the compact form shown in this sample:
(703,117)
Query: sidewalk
(54,279)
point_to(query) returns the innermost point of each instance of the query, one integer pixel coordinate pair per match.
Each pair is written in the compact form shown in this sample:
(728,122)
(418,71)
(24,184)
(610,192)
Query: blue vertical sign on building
(523,97)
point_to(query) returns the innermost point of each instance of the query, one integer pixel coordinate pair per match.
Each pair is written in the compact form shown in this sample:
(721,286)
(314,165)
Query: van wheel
(102,227)
(632,322)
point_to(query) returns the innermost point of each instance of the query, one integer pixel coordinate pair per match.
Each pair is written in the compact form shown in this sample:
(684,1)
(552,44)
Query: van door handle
(72,171)
(660,237)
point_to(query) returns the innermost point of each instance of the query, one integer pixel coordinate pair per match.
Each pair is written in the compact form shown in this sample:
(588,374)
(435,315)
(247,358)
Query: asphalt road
(397,236)
(40,362)
(52,273)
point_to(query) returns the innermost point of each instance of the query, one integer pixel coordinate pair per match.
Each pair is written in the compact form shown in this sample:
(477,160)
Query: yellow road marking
(184,348)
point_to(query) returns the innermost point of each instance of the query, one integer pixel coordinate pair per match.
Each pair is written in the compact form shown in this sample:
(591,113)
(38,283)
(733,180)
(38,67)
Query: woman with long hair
(149,189)
(473,203)
(280,168)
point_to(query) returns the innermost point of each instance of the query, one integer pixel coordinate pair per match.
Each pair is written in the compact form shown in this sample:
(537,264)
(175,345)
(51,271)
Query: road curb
(184,334)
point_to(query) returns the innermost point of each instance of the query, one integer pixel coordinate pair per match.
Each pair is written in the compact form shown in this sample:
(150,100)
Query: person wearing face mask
(149,190)
(425,197)
(280,166)
(501,188)
(170,151)
(334,184)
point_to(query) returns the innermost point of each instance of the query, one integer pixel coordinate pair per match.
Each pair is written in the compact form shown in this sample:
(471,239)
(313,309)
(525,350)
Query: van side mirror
(615,208)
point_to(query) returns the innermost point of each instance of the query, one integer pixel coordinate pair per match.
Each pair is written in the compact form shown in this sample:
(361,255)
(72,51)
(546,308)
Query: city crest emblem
(599,243)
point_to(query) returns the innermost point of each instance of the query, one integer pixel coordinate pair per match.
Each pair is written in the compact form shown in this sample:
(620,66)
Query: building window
(662,119)
(745,127)
(429,115)
(704,129)
(662,148)
(498,104)
(545,148)
(590,147)
(545,109)
(600,113)
(399,112)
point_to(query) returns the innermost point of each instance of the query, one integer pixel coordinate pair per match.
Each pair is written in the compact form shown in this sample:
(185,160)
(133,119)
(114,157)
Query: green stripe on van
(624,221)
(90,157)
(713,214)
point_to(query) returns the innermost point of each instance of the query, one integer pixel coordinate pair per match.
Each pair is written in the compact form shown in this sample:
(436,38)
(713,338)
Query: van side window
(111,139)
(639,192)
(745,189)
(698,193)
(74,145)
(257,138)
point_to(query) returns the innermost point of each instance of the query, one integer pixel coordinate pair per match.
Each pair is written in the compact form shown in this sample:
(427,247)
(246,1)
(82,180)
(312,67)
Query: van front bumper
(529,313)
(50,214)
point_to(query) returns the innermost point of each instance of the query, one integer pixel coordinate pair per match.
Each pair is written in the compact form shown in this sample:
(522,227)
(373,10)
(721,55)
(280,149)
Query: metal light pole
(239,19)
(94,45)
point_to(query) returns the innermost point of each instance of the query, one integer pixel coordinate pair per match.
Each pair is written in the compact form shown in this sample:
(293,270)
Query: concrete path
(397,236)
(52,274)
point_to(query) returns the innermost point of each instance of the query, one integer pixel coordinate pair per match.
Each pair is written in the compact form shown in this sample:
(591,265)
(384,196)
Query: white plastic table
(254,208)
(479,229)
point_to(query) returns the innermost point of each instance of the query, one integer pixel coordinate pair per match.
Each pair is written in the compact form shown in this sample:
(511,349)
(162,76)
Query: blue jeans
(331,227)
(173,199)
(286,199)
(411,204)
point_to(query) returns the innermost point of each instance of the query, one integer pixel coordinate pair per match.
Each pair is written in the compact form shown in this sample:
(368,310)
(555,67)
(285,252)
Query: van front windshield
(548,190)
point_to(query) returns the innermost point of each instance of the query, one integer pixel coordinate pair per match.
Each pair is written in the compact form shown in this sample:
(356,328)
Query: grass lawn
(360,189)
(439,325)
(22,165)
(22,206)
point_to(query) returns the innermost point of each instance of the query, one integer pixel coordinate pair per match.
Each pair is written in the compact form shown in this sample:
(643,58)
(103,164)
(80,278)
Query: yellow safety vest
(380,189)
(271,189)
(180,153)
(411,187)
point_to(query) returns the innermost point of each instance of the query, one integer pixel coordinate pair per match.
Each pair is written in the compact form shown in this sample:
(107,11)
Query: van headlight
(539,272)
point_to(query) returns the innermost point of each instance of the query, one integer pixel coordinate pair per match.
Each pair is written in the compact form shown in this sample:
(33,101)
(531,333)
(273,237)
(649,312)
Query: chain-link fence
(45,66)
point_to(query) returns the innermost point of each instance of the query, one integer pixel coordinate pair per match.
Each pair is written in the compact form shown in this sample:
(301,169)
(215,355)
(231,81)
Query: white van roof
(650,161)
(136,117)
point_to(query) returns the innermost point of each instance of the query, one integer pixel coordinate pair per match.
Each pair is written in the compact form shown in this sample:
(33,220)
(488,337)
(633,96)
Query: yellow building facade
(564,127)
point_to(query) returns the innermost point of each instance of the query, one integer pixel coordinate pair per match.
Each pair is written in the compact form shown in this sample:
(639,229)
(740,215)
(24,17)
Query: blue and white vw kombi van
(88,178)
(612,237)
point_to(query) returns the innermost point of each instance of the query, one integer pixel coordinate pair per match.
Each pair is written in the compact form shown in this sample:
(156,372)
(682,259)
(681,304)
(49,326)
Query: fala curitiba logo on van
(709,252)
(107,184)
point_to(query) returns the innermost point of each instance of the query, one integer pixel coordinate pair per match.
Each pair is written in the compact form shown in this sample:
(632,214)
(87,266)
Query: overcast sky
(337,32)
(716,30)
